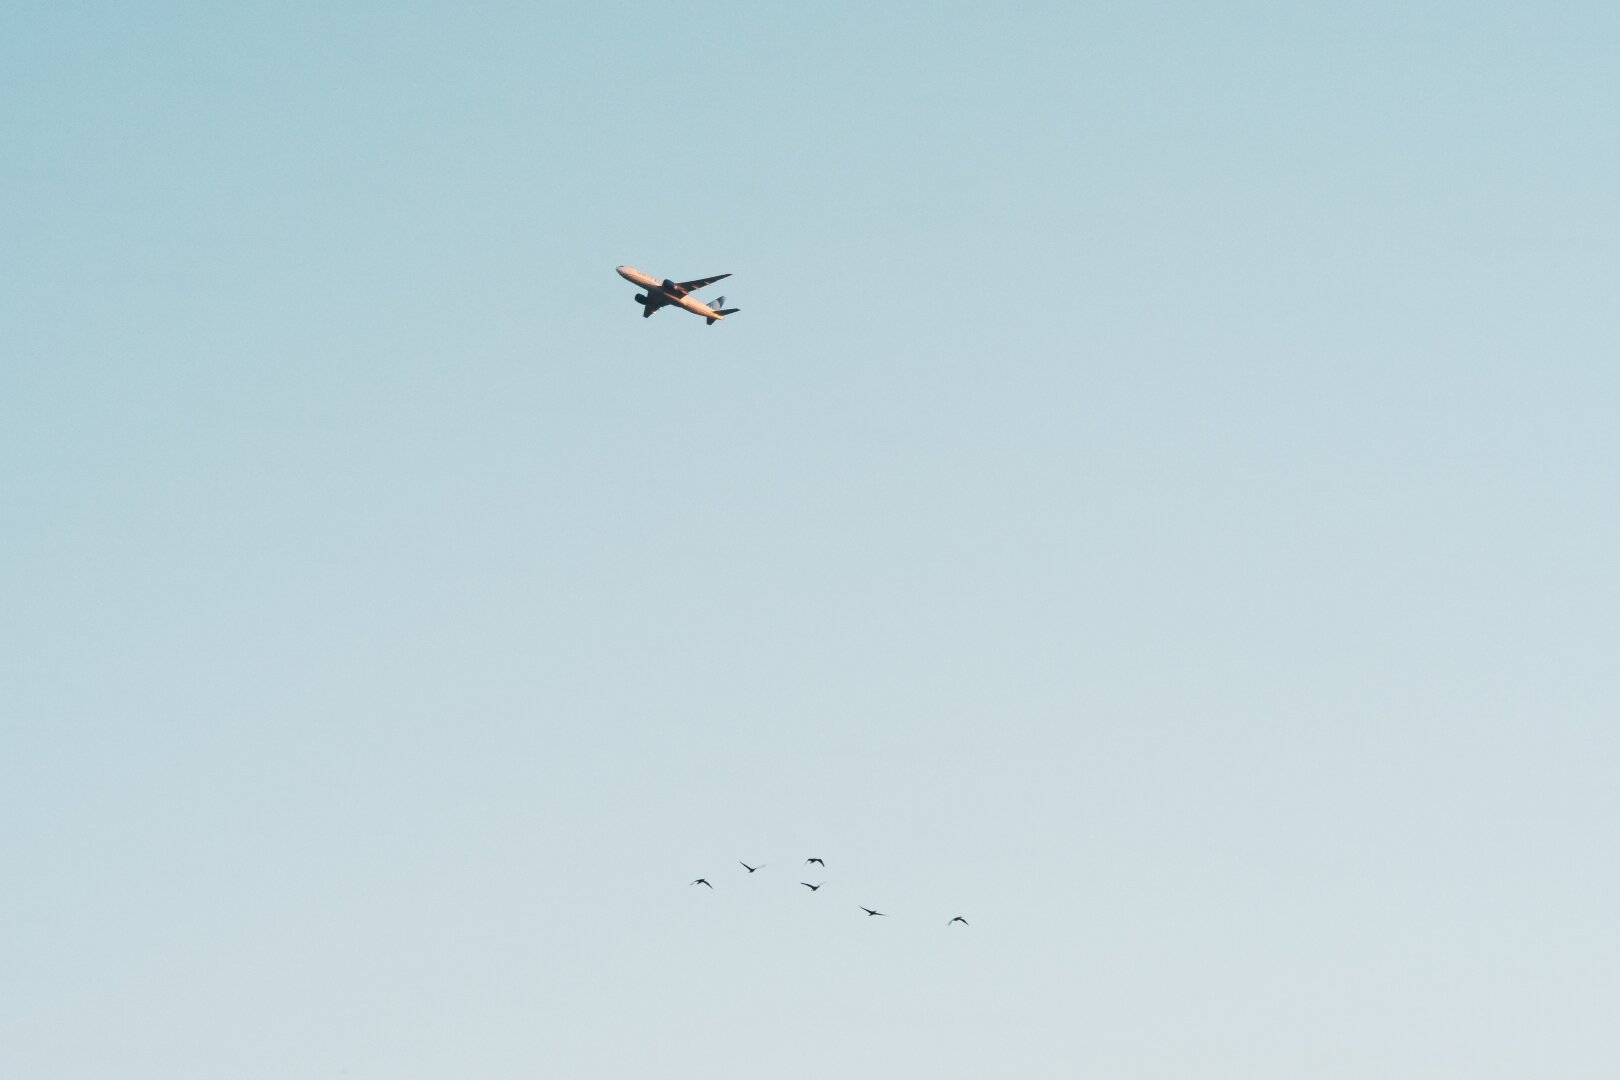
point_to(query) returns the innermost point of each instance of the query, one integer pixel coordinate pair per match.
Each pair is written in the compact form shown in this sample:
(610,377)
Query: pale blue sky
(1158,501)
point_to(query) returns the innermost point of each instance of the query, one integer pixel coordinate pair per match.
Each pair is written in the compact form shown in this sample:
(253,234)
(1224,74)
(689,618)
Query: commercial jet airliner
(663,293)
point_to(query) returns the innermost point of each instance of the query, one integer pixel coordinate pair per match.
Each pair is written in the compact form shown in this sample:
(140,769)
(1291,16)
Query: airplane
(664,293)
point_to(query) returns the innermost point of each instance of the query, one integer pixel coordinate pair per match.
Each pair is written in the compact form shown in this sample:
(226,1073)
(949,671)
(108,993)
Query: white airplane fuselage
(661,293)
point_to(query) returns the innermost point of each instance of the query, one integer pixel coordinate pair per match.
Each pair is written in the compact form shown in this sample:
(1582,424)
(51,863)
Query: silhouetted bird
(748,868)
(702,881)
(818,862)
(869,911)
(959,919)
(811,887)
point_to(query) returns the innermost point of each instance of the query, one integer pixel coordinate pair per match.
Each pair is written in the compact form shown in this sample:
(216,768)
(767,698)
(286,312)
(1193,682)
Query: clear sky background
(1158,501)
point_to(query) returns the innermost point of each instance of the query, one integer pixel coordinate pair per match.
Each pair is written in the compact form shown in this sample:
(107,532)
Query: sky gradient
(1158,500)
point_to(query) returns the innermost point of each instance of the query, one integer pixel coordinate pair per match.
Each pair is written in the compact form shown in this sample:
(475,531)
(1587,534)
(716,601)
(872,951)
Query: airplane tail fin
(720,311)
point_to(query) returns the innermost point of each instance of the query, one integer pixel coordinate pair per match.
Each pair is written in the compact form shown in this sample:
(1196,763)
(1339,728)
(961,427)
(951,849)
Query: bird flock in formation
(817,887)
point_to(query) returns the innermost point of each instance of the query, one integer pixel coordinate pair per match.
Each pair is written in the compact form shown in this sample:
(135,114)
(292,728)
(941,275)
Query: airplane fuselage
(666,292)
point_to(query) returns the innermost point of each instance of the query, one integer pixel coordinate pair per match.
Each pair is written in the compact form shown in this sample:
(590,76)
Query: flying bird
(869,911)
(818,862)
(748,868)
(959,919)
(811,887)
(702,881)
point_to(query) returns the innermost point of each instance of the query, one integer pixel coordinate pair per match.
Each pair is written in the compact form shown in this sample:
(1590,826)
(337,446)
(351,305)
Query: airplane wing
(700,283)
